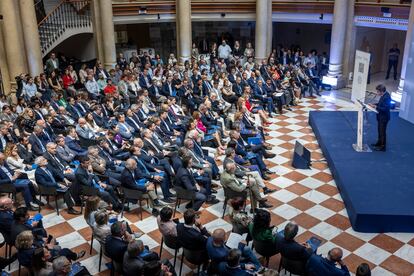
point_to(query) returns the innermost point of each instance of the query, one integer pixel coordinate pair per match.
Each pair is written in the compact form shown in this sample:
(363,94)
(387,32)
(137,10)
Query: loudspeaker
(385,9)
(301,157)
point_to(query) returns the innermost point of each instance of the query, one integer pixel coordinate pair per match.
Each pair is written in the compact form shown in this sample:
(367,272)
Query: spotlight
(142,10)
(321,16)
(223,15)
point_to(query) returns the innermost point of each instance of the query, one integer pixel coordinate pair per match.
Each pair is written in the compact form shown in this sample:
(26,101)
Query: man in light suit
(229,180)
(126,131)
(83,130)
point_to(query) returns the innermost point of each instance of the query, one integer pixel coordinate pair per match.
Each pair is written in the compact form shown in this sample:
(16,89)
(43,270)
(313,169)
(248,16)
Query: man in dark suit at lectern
(383,116)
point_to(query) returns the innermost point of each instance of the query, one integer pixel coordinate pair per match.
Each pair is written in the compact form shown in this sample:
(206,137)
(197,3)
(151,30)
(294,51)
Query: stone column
(183,26)
(108,33)
(31,37)
(97,32)
(262,7)
(350,41)
(407,46)
(337,38)
(269,28)
(13,40)
(4,70)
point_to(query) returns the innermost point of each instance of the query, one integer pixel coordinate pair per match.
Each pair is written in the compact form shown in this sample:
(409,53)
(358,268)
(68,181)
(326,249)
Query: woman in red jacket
(69,83)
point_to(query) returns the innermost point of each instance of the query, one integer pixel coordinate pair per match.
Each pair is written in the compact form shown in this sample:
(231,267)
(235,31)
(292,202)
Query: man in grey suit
(63,150)
(83,130)
(52,63)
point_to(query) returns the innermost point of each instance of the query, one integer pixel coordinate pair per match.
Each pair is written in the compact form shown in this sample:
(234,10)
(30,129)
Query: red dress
(201,126)
(109,89)
(67,81)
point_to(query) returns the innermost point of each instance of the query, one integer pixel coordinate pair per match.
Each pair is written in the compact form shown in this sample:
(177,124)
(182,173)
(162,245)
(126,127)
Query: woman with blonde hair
(13,159)
(27,120)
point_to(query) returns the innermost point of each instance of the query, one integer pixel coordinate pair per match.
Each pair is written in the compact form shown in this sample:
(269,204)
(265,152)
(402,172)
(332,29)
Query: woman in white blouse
(13,159)
(83,74)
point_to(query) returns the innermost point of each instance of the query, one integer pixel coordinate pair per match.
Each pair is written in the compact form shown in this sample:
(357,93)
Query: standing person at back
(393,56)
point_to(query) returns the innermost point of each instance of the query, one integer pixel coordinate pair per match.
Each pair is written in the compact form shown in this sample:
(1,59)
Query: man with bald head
(218,251)
(6,214)
(84,130)
(317,265)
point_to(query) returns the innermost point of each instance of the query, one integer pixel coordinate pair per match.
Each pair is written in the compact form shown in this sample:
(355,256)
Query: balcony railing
(69,16)
(399,8)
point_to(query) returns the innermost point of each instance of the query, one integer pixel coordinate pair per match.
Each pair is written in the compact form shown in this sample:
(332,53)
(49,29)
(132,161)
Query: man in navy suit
(291,249)
(116,244)
(37,141)
(185,179)
(73,143)
(317,265)
(6,216)
(44,177)
(145,79)
(74,112)
(130,177)
(143,172)
(192,234)
(383,116)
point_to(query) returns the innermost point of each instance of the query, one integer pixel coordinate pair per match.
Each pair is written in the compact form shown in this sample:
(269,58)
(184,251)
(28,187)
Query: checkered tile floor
(309,197)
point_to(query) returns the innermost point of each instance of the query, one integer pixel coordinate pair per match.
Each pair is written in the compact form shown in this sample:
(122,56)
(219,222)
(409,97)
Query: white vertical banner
(359,84)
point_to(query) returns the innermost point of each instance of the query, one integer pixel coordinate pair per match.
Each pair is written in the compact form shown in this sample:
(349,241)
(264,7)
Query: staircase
(67,19)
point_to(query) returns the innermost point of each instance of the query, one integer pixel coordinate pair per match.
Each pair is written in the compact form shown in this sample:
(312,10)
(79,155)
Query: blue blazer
(43,179)
(383,108)
(142,82)
(115,248)
(74,145)
(165,91)
(36,146)
(72,111)
(129,181)
(317,265)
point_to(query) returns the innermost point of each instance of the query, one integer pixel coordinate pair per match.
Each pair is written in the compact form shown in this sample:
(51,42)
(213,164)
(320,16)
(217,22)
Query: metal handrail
(68,14)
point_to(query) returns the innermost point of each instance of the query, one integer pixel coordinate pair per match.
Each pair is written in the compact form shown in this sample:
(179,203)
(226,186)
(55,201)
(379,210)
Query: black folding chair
(86,191)
(47,192)
(230,194)
(265,249)
(134,196)
(182,194)
(172,243)
(195,257)
(296,267)
(8,189)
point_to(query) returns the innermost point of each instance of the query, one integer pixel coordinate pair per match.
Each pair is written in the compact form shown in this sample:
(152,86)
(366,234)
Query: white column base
(109,65)
(335,70)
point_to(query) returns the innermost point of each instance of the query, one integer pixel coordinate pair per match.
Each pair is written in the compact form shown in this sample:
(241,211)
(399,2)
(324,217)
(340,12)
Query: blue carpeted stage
(377,187)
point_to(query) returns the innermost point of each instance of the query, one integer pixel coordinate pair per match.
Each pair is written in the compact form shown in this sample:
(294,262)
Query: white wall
(308,36)
(379,41)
